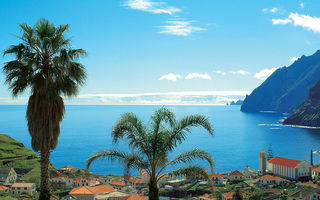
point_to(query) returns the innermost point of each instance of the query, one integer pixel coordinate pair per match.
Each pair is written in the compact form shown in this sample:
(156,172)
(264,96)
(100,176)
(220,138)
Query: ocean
(238,139)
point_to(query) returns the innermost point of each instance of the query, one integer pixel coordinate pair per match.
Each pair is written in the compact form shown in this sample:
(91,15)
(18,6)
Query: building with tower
(262,163)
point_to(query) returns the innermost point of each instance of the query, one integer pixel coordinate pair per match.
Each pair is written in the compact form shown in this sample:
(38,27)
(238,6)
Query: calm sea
(239,137)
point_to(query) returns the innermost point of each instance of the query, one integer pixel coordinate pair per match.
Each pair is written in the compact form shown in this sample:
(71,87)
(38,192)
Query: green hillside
(21,158)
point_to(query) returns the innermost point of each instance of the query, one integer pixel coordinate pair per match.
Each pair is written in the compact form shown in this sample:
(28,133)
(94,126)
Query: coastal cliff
(286,88)
(308,112)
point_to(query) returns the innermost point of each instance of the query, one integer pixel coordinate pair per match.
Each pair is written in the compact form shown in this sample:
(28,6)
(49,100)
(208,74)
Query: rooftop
(118,183)
(23,185)
(270,178)
(236,173)
(284,162)
(101,189)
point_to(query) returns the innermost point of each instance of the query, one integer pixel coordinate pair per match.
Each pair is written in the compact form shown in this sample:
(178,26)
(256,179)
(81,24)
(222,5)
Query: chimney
(311,158)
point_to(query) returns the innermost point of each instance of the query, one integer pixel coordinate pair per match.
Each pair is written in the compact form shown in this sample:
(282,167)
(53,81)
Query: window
(25,188)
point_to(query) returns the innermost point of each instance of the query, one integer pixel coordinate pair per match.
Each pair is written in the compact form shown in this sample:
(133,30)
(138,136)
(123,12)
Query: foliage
(237,195)
(152,143)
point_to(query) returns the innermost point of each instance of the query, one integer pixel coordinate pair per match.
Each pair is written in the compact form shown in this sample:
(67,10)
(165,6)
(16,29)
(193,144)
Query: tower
(262,163)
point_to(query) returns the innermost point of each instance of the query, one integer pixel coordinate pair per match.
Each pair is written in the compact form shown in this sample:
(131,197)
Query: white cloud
(264,74)
(240,71)
(197,75)
(293,59)
(281,21)
(179,28)
(301,5)
(170,77)
(271,10)
(220,72)
(306,21)
(151,6)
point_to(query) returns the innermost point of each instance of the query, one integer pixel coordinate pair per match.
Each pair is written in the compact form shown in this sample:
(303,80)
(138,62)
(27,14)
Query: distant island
(308,112)
(286,88)
(235,103)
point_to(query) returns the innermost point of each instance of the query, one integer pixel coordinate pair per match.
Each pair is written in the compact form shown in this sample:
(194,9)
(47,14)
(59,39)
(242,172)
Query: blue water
(239,137)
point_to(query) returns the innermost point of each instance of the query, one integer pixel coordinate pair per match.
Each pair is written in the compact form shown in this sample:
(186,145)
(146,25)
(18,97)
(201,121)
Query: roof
(317,169)
(134,179)
(137,197)
(4,172)
(80,180)
(82,190)
(23,185)
(3,188)
(206,196)
(118,183)
(284,162)
(236,173)
(216,175)
(92,190)
(112,194)
(270,178)
(228,195)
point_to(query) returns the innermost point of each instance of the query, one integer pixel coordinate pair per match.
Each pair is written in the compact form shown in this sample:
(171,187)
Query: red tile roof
(3,188)
(270,178)
(216,175)
(118,183)
(92,190)
(236,173)
(133,179)
(228,195)
(206,196)
(284,162)
(137,197)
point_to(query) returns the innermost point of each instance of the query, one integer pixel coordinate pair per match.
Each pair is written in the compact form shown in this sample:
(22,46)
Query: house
(119,185)
(20,188)
(134,182)
(229,195)
(315,173)
(107,179)
(90,193)
(302,194)
(289,168)
(217,179)
(206,197)
(270,180)
(7,176)
(3,189)
(61,182)
(236,176)
(78,182)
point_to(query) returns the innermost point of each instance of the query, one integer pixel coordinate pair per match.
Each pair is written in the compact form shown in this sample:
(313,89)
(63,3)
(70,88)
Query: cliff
(308,112)
(286,88)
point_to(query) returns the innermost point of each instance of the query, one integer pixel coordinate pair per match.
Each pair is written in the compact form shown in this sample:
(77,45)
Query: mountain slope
(286,88)
(308,113)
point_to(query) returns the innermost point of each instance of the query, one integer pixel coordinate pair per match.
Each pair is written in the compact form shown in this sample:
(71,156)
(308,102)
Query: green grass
(20,157)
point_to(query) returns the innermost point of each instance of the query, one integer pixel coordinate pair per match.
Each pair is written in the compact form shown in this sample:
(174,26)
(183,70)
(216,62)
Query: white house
(20,188)
(289,168)
(7,176)
(270,180)
(136,183)
(61,182)
(315,172)
(217,179)
(78,182)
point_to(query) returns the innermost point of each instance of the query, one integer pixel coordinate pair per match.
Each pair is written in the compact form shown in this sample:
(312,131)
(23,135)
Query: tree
(152,143)
(270,153)
(45,64)
(237,195)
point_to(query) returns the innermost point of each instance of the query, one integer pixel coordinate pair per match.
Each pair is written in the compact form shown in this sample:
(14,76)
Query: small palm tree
(45,65)
(151,145)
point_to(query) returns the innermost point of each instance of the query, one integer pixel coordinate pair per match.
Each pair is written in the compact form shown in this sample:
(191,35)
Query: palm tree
(152,144)
(44,64)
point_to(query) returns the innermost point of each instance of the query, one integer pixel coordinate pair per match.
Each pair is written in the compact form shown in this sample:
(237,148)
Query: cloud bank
(179,28)
(151,6)
(157,98)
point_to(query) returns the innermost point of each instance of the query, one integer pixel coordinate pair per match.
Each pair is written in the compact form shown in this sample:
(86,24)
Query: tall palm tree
(45,64)
(152,143)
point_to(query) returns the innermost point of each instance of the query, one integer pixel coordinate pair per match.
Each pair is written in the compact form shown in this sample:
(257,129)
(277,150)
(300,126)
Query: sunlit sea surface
(238,139)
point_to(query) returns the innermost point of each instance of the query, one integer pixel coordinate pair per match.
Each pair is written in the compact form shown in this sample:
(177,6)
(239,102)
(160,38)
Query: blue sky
(189,51)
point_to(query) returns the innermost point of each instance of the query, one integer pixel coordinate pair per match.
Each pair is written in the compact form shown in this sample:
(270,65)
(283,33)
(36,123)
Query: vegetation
(14,154)
(152,143)
(44,64)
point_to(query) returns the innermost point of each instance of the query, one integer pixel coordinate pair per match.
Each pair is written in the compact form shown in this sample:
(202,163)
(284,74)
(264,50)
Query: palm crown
(152,144)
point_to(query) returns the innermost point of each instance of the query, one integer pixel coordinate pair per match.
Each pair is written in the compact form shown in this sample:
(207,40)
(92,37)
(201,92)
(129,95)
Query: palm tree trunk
(44,185)
(153,189)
